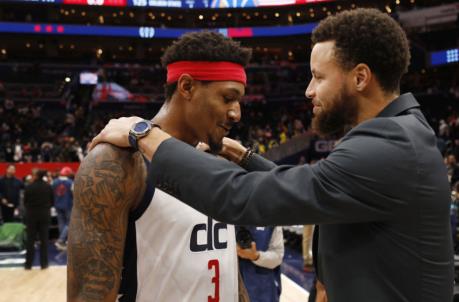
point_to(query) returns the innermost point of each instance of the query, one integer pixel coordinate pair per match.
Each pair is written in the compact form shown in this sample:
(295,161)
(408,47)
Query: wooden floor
(19,285)
(36,285)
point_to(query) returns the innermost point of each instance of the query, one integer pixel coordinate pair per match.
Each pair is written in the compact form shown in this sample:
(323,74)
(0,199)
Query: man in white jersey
(132,242)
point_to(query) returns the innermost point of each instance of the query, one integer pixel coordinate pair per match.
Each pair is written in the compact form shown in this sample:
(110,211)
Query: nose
(234,114)
(310,92)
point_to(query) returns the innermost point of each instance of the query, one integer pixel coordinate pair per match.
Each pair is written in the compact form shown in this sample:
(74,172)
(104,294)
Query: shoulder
(380,144)
(113,170)
(377,128)
(119,160)
(377,136)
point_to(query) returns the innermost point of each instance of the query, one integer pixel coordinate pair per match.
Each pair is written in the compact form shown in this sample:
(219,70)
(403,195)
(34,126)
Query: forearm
(272,257)
(226,191)
(285,195)
(269,259)
(259,163)
(94,260)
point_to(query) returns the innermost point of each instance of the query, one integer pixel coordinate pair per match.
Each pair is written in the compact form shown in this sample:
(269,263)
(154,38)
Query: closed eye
(229,99)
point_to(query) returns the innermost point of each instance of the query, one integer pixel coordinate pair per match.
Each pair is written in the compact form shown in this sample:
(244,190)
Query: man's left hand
(250,254)
(116,132)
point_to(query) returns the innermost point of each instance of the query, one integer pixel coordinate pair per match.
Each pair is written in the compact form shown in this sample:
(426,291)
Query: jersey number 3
(213,264)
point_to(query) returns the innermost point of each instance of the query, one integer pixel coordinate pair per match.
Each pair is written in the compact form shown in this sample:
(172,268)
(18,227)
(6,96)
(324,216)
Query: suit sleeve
(259,163)
(358,182)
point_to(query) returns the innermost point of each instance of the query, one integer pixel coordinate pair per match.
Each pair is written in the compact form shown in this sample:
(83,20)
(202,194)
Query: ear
(362,76)
(185,85)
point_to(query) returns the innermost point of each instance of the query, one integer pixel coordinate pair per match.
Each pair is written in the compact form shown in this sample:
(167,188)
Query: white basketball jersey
(179,254)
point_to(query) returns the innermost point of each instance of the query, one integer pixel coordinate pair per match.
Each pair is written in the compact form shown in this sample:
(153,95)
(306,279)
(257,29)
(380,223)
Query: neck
(372,105)
(171,119)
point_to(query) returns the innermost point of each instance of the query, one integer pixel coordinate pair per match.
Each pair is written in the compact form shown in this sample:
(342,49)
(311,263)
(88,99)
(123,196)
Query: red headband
(206,71)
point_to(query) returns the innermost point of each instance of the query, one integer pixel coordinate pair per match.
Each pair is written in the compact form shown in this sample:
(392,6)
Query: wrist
(246,158)
(257,256)
(150,143)
(239,155)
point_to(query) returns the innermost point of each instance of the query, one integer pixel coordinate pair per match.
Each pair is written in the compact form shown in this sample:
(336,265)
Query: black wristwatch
(139,130)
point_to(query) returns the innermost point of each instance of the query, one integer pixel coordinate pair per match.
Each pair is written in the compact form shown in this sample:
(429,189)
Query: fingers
(99,137)
(114,131)
(94,142)
(202,147)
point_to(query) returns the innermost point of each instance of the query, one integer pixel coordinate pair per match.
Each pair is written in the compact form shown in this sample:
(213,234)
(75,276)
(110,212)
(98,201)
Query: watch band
(134,138)
(246,158)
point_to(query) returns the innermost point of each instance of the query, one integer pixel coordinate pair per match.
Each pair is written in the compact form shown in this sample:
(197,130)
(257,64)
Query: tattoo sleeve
(109,182)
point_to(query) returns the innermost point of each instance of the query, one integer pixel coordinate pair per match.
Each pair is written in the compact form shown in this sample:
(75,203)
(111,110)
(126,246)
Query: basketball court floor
(36,285)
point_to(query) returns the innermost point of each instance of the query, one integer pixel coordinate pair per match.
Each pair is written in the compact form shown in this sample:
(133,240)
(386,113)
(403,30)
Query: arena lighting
(151,32)
(67,79)
(448,56)
(215,4)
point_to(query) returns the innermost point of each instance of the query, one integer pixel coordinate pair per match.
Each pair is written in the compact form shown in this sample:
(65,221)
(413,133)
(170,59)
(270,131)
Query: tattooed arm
(109,183)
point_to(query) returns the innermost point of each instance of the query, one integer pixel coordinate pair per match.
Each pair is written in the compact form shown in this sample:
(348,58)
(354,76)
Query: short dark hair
(368,36)
(41,173)
(204,46)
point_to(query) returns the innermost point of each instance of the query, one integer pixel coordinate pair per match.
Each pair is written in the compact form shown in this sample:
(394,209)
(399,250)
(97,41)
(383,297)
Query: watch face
(141,127)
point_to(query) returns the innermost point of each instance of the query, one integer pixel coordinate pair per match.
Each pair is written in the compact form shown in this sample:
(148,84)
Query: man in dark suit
(10,189)
(382,195)
(38,199)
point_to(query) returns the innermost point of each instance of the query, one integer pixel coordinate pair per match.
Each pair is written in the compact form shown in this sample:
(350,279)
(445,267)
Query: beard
(215,146)
(339,118)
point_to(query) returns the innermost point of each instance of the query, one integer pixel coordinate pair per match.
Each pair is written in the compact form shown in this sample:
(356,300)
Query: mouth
(316,108)
(226,128)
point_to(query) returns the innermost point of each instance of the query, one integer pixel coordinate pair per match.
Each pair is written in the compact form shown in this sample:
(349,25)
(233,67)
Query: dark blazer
(381,197)
(14,190)
(38,194)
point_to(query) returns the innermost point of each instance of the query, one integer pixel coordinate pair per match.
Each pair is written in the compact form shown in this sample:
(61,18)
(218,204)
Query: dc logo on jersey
(213,237)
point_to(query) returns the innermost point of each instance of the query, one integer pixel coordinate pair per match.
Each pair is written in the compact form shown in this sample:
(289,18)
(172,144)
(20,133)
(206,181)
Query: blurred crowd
(273,111)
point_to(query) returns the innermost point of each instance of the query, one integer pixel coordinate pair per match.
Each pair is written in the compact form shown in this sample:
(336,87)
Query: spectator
(38,199)
(453,169)
(63,202)
(10,191)
(259,262)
